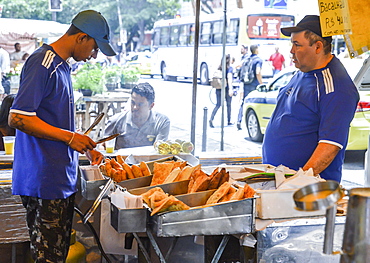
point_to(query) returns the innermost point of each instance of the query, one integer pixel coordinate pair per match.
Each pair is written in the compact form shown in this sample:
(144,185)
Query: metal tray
(129,220)
(90,190)
(175,188)
(137,182)
(229,218)
(196,199)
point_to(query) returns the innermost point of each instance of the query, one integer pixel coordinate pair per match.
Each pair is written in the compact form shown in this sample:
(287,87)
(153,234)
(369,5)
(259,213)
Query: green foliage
(89,76)
(112,74)
(137,15)
(130,74)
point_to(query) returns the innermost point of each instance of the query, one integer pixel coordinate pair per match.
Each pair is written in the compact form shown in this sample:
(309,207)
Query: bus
(173,42)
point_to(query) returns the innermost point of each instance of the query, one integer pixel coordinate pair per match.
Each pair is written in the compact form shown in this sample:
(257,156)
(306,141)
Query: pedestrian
(141,125)
(47,146)
(17,56)
(310,124)
(278,61)
(228,92)
(5,69)
(253,65)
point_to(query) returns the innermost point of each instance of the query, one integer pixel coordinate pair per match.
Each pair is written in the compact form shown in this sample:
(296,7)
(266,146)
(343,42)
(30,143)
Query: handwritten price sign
(334,17)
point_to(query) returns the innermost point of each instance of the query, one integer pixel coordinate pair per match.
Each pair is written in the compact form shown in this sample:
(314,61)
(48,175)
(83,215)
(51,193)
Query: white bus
(173,42)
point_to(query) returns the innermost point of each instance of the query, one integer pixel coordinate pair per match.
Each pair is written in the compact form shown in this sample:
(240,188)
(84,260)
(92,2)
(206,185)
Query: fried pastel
(248,191)
(127,168)
(238,195)
(215,179)
(228,196)
(136,170)
(171,203)
(115,164)
(144,169)
(201,182)
(156,199)
(148,193)
(225,177)
(120,159)
(172,176)
(160,172)
(219,193)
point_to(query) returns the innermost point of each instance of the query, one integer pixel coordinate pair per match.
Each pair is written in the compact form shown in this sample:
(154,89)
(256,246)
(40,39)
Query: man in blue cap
(310,125)
(47,146)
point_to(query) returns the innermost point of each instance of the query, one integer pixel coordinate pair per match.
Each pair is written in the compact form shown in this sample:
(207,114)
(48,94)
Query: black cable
(78,211)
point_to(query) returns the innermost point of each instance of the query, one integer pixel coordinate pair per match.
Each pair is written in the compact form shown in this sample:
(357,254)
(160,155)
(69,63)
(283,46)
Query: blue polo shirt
(317,106)
(44,168)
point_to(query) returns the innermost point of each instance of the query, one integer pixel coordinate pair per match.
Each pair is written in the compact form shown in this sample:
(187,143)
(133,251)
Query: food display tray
(228,218)
(129,220)
(175,188)
(90,189)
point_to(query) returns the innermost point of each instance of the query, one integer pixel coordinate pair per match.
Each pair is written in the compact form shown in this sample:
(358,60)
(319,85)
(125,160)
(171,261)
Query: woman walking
(228,92)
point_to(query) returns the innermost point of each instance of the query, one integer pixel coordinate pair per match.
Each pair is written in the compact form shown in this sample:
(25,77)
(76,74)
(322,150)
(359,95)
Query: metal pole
(223,77)
(195,71)
(329,229)
(204,137)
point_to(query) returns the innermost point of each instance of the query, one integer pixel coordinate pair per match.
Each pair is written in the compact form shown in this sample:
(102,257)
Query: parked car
(260,103)
(142,61)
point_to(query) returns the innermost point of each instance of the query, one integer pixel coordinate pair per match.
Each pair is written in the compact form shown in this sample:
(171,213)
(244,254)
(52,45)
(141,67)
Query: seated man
(139,126)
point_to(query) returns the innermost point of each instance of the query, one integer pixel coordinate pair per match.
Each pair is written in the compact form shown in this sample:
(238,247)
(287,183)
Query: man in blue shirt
(310,125)
(47,146)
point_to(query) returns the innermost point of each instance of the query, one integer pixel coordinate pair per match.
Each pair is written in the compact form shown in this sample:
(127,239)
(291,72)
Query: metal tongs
(96,122)
(104,193)
(110,137)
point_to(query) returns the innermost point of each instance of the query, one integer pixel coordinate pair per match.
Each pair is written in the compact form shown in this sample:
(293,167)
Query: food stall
(207,230)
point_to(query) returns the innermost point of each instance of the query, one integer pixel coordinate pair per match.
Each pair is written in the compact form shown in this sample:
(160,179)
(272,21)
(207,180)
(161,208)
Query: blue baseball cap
(94,24)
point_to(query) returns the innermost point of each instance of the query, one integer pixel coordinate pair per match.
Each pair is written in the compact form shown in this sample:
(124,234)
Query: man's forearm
(34,126)
(322,157)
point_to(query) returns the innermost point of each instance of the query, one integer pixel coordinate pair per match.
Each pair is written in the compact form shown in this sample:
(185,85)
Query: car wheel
(253,127)
(204,74)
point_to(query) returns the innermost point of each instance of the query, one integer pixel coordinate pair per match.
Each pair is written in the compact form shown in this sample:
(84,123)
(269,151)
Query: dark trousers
(247,88)
(49,224)
(5,82)
(218,104)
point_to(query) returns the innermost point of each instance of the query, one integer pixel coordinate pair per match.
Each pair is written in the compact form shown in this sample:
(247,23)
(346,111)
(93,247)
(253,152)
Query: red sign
(268,26)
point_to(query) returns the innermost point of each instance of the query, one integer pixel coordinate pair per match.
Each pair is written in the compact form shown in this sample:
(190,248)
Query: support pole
(204,137)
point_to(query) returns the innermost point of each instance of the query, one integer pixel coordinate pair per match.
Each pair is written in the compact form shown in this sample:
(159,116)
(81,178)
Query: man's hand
(95,157)
(81,143)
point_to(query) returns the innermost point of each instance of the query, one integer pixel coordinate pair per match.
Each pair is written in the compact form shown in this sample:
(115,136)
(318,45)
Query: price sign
(334,17)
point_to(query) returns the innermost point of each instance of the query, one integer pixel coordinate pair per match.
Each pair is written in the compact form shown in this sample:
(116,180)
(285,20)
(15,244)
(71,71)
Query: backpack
(246,74)
(216,81)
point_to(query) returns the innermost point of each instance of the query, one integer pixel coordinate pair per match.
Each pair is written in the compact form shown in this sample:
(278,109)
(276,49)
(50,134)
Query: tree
(137,15)
(140,15)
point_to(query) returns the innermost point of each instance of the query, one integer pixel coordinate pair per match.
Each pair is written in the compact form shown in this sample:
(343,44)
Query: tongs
(110,137)
(96,122)
(104,193)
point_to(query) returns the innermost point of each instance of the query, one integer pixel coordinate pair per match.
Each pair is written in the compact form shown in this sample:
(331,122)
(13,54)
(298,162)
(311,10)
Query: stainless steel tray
(90,190)
(196,199)
(176,188)
(137,182)
(236,217)
(129,220)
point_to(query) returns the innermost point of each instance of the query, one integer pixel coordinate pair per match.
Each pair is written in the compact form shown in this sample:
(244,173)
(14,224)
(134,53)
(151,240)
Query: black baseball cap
(309,22)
